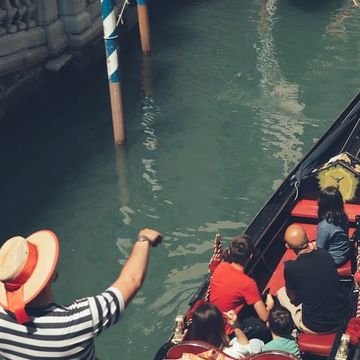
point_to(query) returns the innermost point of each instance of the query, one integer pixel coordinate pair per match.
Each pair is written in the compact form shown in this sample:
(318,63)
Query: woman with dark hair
(333,226)
(208,325)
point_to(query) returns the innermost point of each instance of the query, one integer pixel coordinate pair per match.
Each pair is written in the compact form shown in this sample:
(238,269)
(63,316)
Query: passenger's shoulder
(324,255)
(323,225)
(223,266)
(290,263)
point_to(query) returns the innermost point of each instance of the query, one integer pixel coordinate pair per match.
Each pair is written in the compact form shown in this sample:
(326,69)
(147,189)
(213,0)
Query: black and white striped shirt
(60,332)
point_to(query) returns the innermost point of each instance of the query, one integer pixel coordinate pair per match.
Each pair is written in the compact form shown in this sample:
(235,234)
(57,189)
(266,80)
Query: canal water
(234,94)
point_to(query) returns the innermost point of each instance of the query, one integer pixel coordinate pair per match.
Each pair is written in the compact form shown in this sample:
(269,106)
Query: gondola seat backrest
(194,347)
(306,208)
(345,270)
(316,344)
(273,355)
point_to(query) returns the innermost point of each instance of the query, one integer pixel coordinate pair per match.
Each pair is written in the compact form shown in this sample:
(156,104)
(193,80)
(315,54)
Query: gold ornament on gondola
(342,173)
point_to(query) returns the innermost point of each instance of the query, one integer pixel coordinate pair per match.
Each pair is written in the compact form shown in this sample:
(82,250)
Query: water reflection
(221,225)
(339,21)
(150,111)
(339,51)
(124,190)
(180,285)
(279,110)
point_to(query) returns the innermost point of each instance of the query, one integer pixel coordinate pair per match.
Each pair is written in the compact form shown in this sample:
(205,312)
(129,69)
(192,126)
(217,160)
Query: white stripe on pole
(112,63)
(109,25)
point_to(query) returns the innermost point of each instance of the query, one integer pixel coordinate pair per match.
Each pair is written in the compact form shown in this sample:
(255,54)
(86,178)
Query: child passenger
(333,227)
(208,325)
(281,326)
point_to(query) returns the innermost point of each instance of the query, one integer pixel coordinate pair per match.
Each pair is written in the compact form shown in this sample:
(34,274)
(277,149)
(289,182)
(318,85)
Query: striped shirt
(60,332)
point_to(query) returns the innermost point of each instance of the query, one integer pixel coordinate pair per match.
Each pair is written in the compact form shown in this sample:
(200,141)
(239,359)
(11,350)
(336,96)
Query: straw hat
(26,266)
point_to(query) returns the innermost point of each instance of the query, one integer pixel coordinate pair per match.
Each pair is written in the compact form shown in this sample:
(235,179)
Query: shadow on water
(123,181)
(313,5)
(41,150)
(50,136)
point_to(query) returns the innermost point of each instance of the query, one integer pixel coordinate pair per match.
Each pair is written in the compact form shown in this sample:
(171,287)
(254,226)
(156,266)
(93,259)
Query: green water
(234,94)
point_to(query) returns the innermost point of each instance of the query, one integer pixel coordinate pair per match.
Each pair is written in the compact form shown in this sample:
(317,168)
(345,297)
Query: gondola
(333,160)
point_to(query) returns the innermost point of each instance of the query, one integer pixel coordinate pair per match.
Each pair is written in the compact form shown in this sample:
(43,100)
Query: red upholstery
(192,347)
(345,270)
(273,355)
(277,279)
(177,351)
(308,209)
(311,230)
(316,344)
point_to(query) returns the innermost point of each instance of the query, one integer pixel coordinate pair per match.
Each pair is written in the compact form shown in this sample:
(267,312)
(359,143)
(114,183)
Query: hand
(154,236)
(312,245)
(269,302)
(231,317)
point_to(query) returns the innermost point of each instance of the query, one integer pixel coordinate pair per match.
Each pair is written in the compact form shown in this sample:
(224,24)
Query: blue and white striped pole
(111,38)
(144,26)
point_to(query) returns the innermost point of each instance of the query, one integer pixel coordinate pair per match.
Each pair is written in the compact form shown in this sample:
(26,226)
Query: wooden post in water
(110,38)
(144,26)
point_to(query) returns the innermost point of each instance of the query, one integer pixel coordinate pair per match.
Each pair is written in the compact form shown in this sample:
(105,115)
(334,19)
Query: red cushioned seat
(305,208)
(193,347)
(316,344)
(308,209)
(277,280)
(310,229)
(345,270)
(273,355)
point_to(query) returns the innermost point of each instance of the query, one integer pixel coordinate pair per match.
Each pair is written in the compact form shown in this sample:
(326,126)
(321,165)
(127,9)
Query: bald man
(311,290)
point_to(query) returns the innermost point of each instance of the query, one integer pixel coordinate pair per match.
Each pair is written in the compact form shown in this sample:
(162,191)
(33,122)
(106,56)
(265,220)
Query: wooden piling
(144,26)
(111,38)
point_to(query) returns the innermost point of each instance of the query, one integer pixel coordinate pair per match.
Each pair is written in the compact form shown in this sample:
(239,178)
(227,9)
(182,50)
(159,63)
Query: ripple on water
(180,285)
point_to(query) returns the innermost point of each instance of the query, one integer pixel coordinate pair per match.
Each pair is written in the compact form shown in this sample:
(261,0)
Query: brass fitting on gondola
(343,350)
(179,332)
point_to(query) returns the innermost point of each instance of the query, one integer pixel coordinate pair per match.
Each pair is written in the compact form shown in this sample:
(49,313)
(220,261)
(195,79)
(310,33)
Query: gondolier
(32,326)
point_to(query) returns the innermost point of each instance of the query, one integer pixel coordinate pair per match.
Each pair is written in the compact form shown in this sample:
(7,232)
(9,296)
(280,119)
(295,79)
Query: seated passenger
(311,292)
(208,325)
(281,325)
(333,227)
(231,288)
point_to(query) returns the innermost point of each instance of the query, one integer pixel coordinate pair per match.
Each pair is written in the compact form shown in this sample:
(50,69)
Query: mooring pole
(144,26)
(110,38)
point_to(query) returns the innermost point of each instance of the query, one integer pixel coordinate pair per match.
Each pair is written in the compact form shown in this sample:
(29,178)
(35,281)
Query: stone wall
(40,36)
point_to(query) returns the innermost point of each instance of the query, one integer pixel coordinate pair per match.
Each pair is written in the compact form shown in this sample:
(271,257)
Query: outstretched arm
(133,273)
